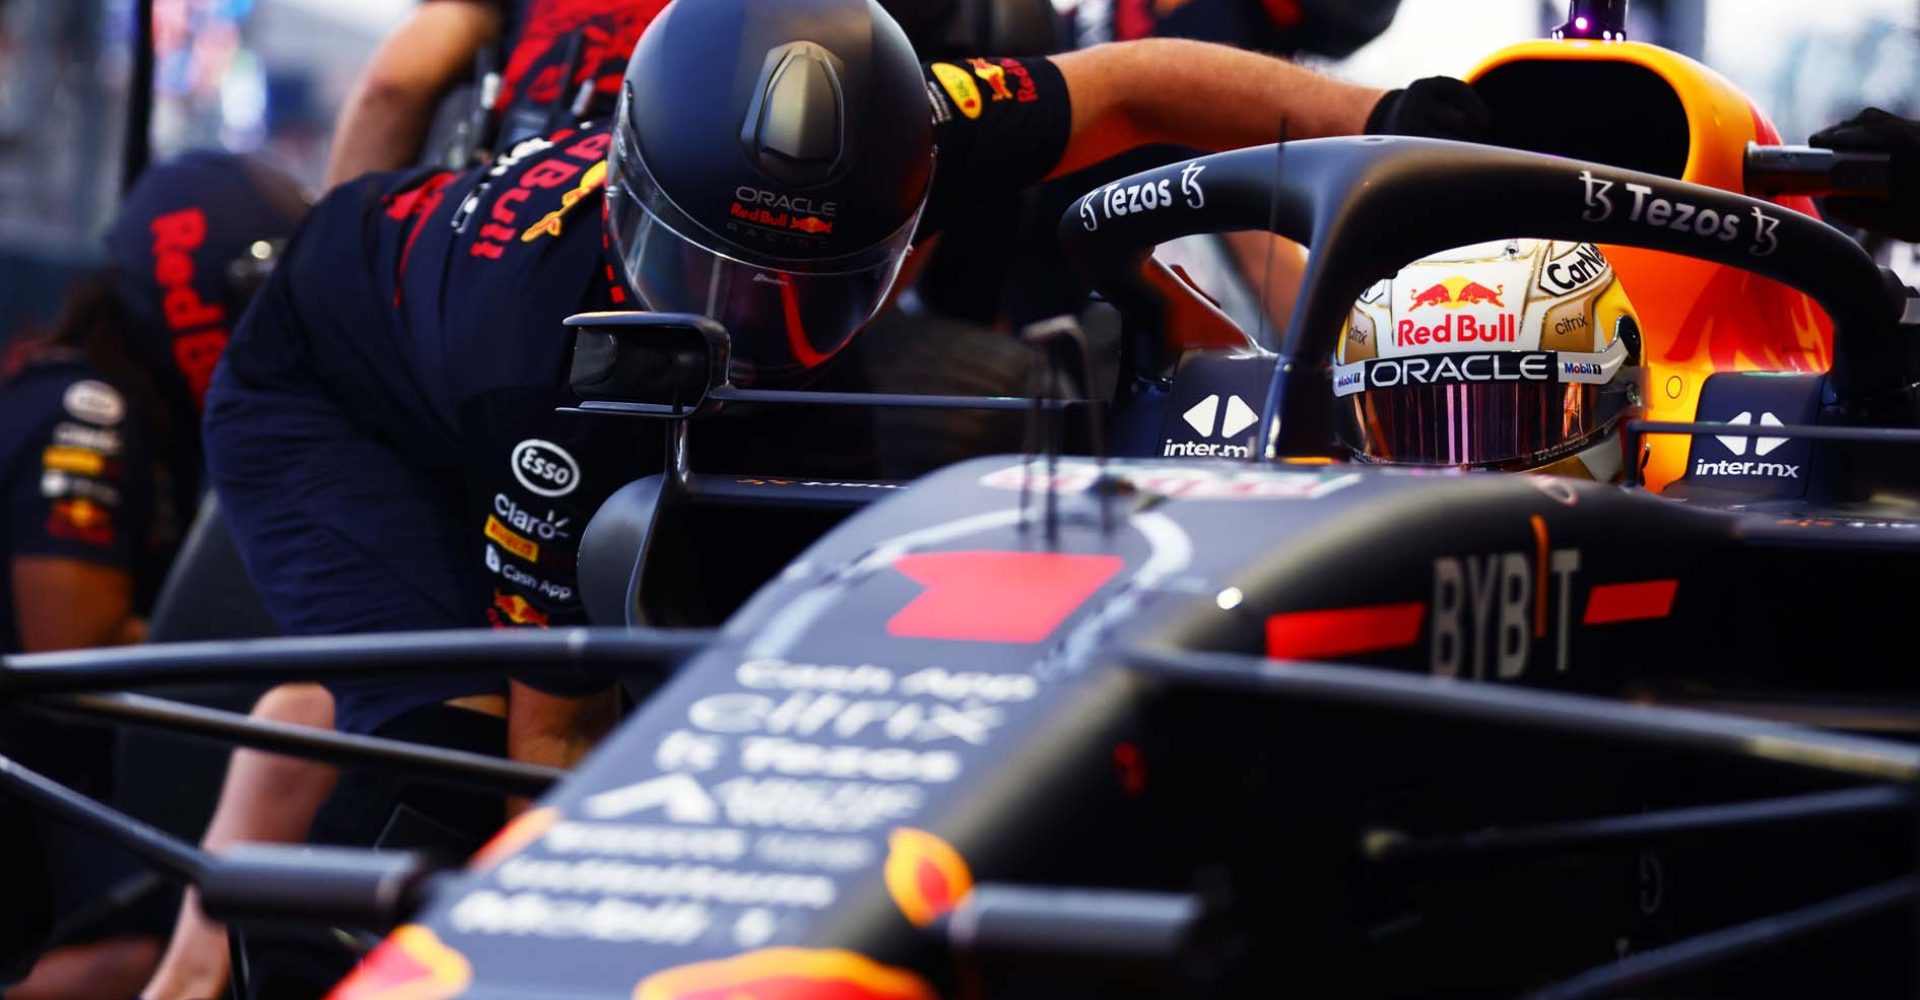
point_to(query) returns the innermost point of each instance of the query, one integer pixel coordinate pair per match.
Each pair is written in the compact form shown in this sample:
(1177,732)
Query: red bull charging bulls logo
(1457,327)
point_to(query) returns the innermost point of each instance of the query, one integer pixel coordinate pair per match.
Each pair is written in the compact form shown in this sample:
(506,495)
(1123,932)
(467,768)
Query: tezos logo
(1132,199)
(786,203)
(1681,217)
(545,468)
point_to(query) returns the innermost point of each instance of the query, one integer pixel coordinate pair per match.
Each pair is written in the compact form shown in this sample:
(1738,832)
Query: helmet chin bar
(1365,206)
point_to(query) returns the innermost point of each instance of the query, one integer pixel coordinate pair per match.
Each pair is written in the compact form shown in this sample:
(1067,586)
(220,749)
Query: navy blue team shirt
(382,430)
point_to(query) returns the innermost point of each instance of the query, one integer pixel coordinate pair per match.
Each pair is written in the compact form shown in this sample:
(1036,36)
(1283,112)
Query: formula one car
(1067,725)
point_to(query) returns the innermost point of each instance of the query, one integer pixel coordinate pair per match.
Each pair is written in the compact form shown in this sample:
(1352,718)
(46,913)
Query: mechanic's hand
(1438,107)
(1876,131)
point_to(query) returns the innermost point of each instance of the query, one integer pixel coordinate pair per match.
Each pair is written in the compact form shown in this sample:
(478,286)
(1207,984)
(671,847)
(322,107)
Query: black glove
(1438,107)
(1876,131)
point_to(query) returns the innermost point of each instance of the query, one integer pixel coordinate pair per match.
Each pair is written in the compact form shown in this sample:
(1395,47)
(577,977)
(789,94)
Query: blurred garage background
(268,75)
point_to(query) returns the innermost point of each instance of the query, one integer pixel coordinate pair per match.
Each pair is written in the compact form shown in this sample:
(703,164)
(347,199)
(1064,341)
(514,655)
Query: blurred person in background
(99,464)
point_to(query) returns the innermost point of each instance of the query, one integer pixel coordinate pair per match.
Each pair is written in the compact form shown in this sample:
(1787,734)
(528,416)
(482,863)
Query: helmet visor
(1518,409)
(786,316)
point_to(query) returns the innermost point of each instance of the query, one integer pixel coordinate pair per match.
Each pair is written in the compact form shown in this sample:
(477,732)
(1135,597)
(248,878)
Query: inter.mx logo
(1762,447)
(1209,419)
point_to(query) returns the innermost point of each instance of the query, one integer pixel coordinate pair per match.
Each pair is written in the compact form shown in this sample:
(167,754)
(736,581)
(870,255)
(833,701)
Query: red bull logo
(786,974)
(515,610)
(1459,328)
(411,964)
(994,77)
(810,224)
(926,877)
(1458,292)
(593,180)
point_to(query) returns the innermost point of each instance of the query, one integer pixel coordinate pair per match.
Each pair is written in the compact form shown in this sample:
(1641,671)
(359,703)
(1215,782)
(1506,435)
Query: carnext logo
(1207,419)
(1762,447)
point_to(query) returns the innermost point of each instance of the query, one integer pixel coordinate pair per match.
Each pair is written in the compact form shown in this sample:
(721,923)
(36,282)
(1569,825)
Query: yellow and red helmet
(1646,108)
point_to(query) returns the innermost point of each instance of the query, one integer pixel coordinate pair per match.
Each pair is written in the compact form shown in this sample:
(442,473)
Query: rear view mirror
(649,364)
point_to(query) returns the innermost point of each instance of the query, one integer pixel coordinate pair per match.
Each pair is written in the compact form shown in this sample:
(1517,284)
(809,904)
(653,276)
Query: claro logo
(786,202)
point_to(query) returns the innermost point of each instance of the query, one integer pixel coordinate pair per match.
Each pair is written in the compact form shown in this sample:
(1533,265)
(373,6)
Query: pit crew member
(99,462)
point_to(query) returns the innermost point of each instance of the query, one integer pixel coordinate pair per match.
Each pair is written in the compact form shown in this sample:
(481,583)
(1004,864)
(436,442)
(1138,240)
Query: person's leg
(265,798)
(111,969)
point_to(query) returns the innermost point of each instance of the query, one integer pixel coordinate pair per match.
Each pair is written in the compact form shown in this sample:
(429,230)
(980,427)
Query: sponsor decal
(1336,632)
(547,529)
(679,797)
(926,877)
(1457,328)
(94,402)
(106,442)
(1762,447)
(514,611)
(1500,366)
(991,596)
(545,468)
(942,108)
(854,484)
(82,520)
(1024,91)
(785,973)
(707,883)
(411,964)
(1118,200)
(1574,270)
(198,327)
(79,461)
(519,577)
(608,920)
(774,674)
(1608,603)
(1208,416)
(55,484)
(801,850)
(1169,480)
(519,833)
(1646,208)
(1457,293)
(590,182)
(779,755)
(994,77)
(519,546)
(632,840)
(806,714)
(960,87)
(783,221)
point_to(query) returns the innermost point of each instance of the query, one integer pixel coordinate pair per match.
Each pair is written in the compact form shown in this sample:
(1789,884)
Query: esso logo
(545,468)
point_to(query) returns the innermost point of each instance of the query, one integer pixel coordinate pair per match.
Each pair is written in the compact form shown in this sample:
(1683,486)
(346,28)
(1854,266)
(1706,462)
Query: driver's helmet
(1516,355)
(769,165)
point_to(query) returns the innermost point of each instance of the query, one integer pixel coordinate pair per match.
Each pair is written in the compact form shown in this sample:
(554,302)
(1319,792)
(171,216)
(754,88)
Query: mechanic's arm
(65,603)
(387,116)
(1188,93)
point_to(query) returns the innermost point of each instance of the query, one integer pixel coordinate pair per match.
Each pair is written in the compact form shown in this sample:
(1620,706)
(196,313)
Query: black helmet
(769,165)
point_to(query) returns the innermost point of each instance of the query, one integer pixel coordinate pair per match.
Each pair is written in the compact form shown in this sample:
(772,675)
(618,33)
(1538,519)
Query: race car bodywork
(942,694)
(1636,105)
(1021,674)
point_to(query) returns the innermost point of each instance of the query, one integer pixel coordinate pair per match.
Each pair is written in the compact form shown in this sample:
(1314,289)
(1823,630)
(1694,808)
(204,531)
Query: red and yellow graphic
(994,77)
(512,609)
(960,87)
(1457,293)
(989,596)
(81,519)
(519,832)
(511,540)
(1696,317)
(79,461)
(1335,632)
(786,974)
(810,224)
(926,877)
(593,180)
(411,964)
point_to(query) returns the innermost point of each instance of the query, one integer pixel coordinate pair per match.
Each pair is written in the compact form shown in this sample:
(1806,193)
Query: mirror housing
(651,364)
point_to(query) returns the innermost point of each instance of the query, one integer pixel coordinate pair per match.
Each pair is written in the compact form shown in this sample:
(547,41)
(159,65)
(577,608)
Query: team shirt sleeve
(999,125)
(85,489)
